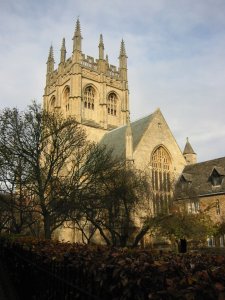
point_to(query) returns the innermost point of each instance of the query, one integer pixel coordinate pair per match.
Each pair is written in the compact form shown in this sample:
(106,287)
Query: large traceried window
(112,104)
(89,98)
(66,95)
(161,180)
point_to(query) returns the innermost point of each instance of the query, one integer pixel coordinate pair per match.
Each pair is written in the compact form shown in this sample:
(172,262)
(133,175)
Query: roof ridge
(222,157)
(116,129)
(141,118)
(210,160)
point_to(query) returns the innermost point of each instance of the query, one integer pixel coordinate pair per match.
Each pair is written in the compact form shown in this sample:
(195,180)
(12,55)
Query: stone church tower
(96,94)
(91,90)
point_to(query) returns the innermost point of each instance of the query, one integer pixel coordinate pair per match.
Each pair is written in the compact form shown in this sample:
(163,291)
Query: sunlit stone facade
(96,94)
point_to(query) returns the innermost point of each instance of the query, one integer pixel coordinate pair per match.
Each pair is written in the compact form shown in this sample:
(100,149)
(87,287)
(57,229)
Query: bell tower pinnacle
(63,52)
(77,38)
(101,61)
(50,61)
(123,61)
(101,48)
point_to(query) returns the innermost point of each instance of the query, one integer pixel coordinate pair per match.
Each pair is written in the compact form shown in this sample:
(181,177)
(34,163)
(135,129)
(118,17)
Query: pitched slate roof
(116,139)
(199,176)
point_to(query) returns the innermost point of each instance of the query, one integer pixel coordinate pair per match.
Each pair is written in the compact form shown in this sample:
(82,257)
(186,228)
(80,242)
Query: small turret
(123,61)
(101,48)
(189,154)
(77,38)
(129,142)
(50,61)
(63,52)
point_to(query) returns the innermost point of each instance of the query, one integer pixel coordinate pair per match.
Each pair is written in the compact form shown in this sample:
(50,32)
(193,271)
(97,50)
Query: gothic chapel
(96,94)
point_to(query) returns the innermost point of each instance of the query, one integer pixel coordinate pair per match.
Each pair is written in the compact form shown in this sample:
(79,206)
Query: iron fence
(37,279)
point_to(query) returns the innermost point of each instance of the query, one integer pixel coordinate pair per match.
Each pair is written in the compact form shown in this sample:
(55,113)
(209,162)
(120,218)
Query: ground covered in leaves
(110,273)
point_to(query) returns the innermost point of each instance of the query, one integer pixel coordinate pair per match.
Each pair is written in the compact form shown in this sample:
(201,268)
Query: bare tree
(46,145)
(14,198)
(111,201)
(61,177)
(5,216)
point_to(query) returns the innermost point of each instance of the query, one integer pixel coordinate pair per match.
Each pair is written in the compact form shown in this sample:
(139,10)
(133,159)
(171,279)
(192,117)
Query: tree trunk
(140,235)
(47,227)
(101,231)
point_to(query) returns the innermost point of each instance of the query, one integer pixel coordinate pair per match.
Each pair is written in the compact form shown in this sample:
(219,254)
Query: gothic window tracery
(161,180)
(89,97)
(112,104)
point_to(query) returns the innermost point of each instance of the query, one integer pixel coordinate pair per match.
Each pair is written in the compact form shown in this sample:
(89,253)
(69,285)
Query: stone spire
(122,49)
(123,61)
(129,142)
(77,37)
(101,47)
(188,148)
(50,61)
(189,154)
(63,52)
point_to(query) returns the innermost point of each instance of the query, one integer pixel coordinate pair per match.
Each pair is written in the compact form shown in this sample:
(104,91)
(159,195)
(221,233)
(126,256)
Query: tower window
(89,98)
(52,104)
(112,104)
(66,96)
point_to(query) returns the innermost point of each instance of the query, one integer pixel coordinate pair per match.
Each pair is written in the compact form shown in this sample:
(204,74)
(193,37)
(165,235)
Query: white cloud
(176,53)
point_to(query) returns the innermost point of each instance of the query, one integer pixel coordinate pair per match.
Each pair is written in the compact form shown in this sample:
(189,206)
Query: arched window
(161,180)
(52,104)
(66,96)
(111,104)
(89,97)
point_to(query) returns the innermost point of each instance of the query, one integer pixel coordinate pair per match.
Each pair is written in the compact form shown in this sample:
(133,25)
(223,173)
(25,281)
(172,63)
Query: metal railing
(35,279)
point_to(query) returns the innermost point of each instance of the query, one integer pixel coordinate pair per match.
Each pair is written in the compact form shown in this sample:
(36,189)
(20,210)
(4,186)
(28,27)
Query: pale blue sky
(175,48)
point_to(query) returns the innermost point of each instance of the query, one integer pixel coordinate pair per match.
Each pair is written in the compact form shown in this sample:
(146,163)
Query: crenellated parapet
(100,65)
(89,62)
(113,72)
